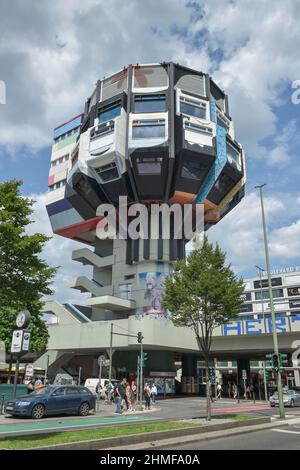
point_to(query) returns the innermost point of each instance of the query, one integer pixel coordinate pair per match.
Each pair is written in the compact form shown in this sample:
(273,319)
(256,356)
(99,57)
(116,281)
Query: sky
(52,53)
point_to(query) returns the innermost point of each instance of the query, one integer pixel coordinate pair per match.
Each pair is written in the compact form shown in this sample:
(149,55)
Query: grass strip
(30,441)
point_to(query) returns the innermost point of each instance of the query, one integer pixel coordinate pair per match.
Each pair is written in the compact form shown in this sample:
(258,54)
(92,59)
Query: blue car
(53,400)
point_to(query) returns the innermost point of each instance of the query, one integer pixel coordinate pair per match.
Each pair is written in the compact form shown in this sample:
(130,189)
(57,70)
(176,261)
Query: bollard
(2,404)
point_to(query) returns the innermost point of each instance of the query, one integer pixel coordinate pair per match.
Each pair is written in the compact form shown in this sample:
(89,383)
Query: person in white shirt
(219,391)
(153,392)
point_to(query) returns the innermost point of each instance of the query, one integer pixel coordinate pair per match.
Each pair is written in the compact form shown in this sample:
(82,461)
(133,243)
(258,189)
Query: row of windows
(67,134)
(148,129)
(108,172)
(60,160)
(155,104)
(259,295)
(57,185)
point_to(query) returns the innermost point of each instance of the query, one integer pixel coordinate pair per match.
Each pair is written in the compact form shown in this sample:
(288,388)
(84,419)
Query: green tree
(24,277)
(202,294)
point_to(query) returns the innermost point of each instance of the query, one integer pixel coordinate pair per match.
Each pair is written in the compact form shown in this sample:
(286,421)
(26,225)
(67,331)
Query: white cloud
(52,54)
(240,232)
(58,253)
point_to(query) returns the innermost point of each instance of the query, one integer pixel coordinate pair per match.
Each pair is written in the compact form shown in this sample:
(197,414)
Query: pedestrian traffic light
(145,357)
(283,359)
(212,375)
(275,363)
(139,337)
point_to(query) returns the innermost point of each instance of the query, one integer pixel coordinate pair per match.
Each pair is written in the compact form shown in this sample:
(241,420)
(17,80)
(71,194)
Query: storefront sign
(258,327)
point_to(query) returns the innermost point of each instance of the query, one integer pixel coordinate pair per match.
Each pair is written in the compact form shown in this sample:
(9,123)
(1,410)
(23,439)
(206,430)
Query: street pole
(46,370)
(274,332)
(16,377)
(260,270)
(110,352)
(265,381)
(141,377)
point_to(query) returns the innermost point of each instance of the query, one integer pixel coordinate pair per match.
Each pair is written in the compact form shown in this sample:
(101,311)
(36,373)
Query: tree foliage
(24,277)
(203,293)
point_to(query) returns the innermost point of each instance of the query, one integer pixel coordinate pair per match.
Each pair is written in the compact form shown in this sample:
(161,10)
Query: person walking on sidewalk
(133,395)
(219,391)
(153,392)
(118,398)
(147,395)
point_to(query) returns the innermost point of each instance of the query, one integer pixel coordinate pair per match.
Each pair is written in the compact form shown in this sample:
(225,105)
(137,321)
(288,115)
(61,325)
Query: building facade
(155,134)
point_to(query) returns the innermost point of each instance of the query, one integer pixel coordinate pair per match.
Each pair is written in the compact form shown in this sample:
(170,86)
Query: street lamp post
(274,332)
(261,270)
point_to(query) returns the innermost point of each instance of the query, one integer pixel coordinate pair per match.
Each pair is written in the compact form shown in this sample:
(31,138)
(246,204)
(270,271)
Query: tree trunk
(208,392)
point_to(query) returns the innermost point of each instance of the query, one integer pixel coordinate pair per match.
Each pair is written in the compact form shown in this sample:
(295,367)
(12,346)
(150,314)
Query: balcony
(88,257)
(83,284)
(111,302)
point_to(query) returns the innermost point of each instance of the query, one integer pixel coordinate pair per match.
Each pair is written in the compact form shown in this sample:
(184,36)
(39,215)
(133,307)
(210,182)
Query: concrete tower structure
(158,133)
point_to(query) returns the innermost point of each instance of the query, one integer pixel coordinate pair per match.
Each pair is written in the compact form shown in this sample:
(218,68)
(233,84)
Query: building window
(246,308)
(224,183)
(57,185)
(245,296)
(60,160)
(125,291)
(189,126)
(149,103)
(193,107)
(293,291)
(233,156)
(110,111)
(276,281)
(67,134)
(108,172)
(265,294)
(193,170)
(146,129)
(149,166)
(103,129)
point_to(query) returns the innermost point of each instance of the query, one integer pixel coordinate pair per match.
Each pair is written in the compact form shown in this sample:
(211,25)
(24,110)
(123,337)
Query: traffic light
(283,359)
(275,363)
(139,337)
(212,375)
(145,357)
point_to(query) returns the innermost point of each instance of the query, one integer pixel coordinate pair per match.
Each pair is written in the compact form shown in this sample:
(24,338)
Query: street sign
(16,343)
(20,341)
(26,341)
(244,374)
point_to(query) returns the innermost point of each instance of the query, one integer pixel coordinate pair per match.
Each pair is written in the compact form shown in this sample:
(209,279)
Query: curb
(116,442)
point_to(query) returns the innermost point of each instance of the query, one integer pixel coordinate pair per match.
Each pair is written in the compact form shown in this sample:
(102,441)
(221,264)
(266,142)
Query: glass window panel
(233,156)
(192,170)
(148,130)
(149,167)
(150,104)
(109,112)
(265,294)
(193,109)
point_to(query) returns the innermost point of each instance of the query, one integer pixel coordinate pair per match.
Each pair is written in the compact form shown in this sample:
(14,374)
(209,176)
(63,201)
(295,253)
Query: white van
(91,384)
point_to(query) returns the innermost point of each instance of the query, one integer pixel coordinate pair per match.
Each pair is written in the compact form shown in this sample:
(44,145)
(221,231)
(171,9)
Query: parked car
(53,400)
(290,398)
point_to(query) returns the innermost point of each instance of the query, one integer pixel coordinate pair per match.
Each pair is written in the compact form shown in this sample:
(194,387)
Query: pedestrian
(122,390)
(98,390)
(247,392)
(37,383)
(128,396)
(234,391)
(30,385)
(219,390)
(153,392)
(147,395)
(118,398)
(133,395)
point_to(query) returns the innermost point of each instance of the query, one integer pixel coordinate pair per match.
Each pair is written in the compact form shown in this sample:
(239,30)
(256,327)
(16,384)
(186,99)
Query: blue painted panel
(58,206)
(217,166)
(236,327)
(67,127)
